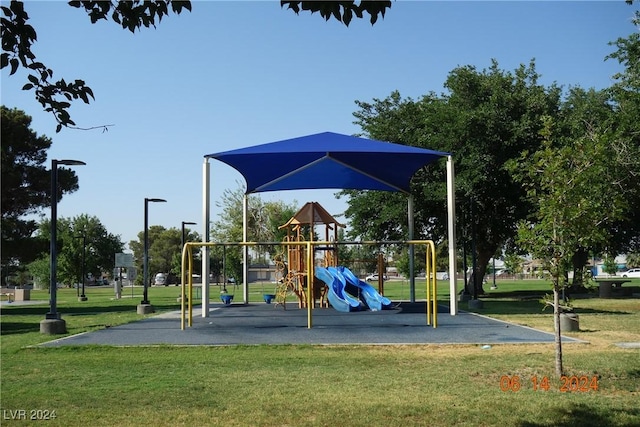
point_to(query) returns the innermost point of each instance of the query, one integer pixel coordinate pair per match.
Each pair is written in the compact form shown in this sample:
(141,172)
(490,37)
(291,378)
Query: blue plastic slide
(372,298)
(338,298)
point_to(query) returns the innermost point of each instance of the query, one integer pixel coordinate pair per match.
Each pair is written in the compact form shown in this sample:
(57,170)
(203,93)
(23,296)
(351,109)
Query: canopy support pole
(245,250)
(412,279)
(205,238)
(451,225)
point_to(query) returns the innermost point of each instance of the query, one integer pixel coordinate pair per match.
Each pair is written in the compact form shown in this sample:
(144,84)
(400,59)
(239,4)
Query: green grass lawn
(304,385)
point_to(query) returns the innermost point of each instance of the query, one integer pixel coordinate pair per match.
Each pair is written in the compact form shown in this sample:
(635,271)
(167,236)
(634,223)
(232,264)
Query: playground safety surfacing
(255,324)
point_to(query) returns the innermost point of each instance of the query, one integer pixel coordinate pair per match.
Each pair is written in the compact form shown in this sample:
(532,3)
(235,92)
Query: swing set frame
(186,305)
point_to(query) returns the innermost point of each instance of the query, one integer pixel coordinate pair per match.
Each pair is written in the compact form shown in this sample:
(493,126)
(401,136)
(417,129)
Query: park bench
(605,285)
(8,294)
(16,294)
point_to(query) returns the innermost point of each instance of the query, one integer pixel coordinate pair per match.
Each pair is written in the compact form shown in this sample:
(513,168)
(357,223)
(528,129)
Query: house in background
(597,265)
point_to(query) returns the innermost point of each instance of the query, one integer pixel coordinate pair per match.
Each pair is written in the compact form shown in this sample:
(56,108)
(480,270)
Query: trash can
(569,322)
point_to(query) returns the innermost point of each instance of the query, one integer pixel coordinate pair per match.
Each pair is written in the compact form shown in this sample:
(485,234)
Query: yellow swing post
(432,299)
(187,258)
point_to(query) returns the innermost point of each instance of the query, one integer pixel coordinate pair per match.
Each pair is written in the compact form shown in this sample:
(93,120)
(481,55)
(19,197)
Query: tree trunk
(475,280)
(579,260)
(556,323)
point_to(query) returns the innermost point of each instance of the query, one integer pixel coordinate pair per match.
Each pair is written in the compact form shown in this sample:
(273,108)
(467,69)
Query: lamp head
(68,162)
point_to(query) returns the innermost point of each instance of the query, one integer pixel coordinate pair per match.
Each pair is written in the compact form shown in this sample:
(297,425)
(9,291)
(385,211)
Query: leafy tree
(582,112)
(585,179)
(40,270)
(486,118)
(401,260)
(361,259)
(633,260)
(229,229)
(561,180)
(342,11)
(346,253)
(176,263)
(263,219)
(625,96)
(165,251)
(18,37)
(26,186)
(610,267)
(78,234)
(513,263)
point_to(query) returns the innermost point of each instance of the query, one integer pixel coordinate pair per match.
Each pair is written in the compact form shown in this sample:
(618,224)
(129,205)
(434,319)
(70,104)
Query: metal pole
(53,285)
(245,250)
(494,273)
(411,221)
(145,262)
(84,251)
(145,296)
(184,238)
(52,323)
(474,258)
(451,225)
(81,272)
(205,238)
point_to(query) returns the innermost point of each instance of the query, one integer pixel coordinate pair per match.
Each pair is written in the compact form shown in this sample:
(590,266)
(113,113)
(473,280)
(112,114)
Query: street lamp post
(52,323)
(84,251)
(145,307)
(81,273)
(183,241)
(184,238)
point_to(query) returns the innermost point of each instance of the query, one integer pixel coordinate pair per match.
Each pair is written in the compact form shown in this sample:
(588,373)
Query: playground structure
(293,272)
(186,297)
(348,293)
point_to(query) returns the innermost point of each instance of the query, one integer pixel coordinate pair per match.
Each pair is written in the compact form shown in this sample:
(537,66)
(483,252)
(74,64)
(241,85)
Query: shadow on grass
(581,414)
(491,306)
(522,294)
(634,373)
(83,310)
(8,327)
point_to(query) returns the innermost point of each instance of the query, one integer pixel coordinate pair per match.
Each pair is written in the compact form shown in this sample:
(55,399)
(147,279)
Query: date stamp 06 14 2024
(580,384)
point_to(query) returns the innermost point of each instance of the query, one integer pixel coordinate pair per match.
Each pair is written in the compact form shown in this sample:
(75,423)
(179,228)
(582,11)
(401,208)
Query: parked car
(374,278)
(97,282)
(632,272)
(160,279)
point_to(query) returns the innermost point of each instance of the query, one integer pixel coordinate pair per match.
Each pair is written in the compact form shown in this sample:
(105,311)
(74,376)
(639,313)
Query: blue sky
(235,74)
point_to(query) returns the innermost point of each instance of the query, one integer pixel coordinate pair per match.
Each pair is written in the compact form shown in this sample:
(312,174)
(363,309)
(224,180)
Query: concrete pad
(628,344)
(255,324)
(53,327)
(145,309)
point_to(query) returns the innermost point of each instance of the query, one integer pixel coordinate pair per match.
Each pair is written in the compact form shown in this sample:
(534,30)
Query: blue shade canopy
(328,160)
